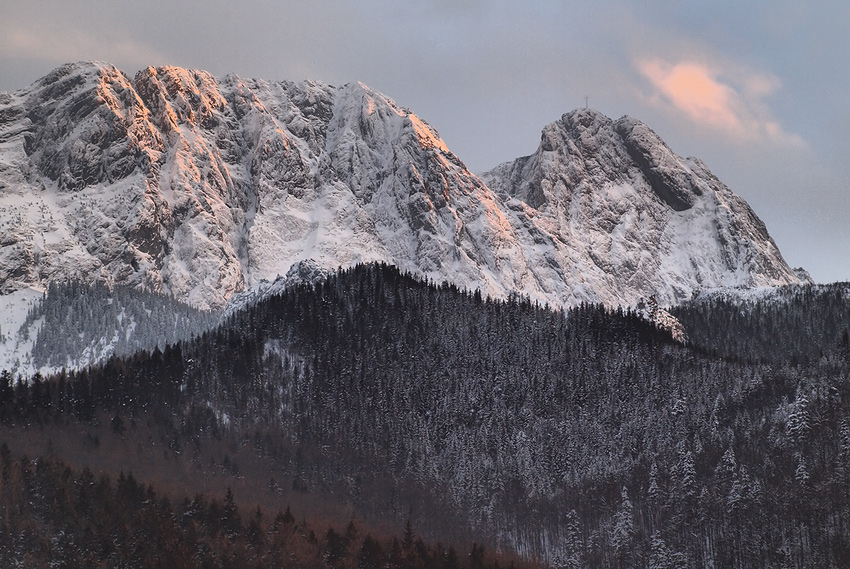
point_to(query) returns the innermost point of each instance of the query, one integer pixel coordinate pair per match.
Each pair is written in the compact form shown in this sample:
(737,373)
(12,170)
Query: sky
(758,90)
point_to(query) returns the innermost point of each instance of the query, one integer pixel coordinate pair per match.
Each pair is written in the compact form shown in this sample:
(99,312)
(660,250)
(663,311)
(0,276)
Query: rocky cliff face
(200,187)
(628,216)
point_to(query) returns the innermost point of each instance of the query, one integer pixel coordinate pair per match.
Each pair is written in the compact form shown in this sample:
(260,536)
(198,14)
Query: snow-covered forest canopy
(588,438)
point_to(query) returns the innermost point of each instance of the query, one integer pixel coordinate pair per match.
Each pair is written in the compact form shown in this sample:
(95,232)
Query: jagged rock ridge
(201,187)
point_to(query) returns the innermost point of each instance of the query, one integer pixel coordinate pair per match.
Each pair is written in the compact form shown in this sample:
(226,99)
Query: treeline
(54,516)
(589,438)
(800,323)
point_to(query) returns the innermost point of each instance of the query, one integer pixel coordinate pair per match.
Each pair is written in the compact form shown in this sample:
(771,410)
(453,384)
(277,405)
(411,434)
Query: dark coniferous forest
(584,439)
(82,324)
(793,323)
(77,520)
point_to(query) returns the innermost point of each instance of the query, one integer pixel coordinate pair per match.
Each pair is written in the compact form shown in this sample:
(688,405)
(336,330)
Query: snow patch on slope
(16,344)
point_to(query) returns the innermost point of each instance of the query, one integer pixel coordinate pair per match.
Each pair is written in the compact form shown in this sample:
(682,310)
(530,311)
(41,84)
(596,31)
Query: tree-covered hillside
(80,325)
(785,324)
(588,437)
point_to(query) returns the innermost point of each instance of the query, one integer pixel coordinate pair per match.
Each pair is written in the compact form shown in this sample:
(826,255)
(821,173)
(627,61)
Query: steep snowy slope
(630,217)
(179,182)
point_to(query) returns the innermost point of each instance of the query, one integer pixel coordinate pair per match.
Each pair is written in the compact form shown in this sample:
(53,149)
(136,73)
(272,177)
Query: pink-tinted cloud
(730,102)
(691,88)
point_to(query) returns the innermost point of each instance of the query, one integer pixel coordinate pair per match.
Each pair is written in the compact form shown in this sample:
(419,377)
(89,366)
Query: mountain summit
(630,217)
(201,187)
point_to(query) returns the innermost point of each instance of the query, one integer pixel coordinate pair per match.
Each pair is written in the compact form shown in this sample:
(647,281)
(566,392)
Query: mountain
(76,325)
(633,217)
(200,187)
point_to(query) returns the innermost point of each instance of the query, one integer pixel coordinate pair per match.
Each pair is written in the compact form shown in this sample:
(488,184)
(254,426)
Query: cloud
(730,101)
(691,88)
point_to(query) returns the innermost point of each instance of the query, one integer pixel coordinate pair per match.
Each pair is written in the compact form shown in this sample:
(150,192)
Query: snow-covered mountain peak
(364,114)
(201,187)
(591,145)
(580,121)
(636,216)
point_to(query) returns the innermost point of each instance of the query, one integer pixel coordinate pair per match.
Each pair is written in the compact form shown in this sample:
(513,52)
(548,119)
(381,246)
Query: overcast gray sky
(757,89)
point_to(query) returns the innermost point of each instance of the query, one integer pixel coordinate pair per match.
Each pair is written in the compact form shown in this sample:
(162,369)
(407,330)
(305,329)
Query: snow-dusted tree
(661,556)
(654,495)
(572,555)
(799,420)
(728,465)
(623,532)
(801,472)
(687,477)
(844,449)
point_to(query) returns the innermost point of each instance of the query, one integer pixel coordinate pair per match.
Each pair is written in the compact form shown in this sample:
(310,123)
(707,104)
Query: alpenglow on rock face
(201,187)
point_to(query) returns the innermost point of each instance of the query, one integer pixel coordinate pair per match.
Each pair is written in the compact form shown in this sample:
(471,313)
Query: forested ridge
(791,323)
(588,438)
